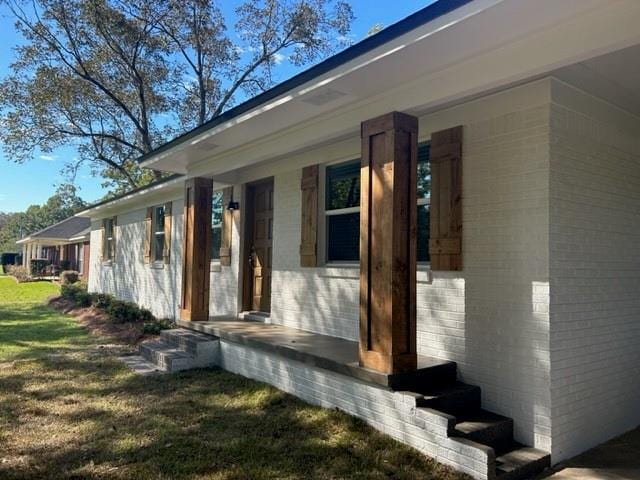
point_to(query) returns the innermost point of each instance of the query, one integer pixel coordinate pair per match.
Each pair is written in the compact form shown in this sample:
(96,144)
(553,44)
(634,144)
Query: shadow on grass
(69,410)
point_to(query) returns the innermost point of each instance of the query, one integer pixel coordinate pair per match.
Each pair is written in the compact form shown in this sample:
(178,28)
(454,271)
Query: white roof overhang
(482,46)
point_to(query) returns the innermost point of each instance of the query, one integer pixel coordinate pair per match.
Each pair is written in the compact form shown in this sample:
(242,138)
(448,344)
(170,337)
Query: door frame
(246,271)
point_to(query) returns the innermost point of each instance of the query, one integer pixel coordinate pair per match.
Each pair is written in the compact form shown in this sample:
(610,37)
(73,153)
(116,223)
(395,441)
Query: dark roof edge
(413,21)
(131,192)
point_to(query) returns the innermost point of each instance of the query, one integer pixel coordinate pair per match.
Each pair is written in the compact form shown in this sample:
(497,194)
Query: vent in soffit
(205,146)
(323,97)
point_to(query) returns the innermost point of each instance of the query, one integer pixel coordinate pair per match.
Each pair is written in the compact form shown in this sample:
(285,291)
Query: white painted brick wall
(594,270)
(224,281)
(393,413)
(129,278)
(493,317)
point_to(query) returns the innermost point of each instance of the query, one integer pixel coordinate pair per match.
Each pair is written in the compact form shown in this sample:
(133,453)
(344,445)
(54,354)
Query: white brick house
(543,313)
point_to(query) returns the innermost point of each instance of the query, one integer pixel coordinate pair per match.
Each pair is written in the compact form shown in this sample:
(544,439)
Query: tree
(118,78)
(62,204)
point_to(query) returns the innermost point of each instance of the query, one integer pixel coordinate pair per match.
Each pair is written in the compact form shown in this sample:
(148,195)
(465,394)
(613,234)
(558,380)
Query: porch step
(457,399)
(521,463)
(166,357)
(203,348)
(487,428)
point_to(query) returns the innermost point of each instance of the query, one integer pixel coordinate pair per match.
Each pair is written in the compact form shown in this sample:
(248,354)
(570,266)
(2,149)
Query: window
(157,247)
(109,239)
(216,224)
(342,209)
(424,196)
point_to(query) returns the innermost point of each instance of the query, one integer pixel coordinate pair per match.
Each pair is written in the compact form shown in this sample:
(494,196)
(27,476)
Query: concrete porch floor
(331,353)
(617,459)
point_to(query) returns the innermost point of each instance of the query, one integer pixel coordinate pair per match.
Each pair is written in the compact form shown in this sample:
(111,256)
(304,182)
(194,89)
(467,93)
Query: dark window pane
(424,171)
(158,246)
(343,185)
(423,233)
(343,237)
(215,243)
(216,208)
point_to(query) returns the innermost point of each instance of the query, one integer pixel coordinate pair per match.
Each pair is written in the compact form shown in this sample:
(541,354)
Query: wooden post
(388,243)
(196,250)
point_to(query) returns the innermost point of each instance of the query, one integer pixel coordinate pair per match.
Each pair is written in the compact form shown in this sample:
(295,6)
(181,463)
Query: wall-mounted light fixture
(231,206)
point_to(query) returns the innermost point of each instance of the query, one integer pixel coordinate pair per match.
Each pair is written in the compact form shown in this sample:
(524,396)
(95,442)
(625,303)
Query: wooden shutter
(115,238)
(166,249)
(148,234)
(309,224)
(226,228)
(445,243)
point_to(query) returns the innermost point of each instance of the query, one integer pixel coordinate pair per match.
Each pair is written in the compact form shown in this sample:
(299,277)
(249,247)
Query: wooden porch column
(196,251)
(388,243)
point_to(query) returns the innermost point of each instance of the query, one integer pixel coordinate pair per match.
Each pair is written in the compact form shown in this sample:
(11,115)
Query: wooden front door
(261,246)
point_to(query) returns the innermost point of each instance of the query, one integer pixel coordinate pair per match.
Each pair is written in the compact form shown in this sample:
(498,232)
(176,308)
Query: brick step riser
(499,436)
(162,361)
(526,471)
(456,404)
(191,346)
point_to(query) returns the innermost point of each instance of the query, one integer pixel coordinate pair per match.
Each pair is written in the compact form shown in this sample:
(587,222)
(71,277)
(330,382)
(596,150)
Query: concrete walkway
(617,459)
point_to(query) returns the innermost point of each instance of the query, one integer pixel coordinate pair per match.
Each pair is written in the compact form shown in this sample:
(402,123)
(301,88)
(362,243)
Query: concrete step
(457,399)
(166,357)
(202,347)
(521,463)
(487,428)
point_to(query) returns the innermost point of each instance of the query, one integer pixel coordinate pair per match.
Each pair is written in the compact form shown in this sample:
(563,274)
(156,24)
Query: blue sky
(35,181)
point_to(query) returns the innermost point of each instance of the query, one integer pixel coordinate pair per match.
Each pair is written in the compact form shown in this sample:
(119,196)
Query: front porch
(428,408)
(323,351)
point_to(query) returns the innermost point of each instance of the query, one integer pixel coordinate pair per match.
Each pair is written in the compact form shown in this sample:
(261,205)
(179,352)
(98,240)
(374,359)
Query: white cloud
(278,58)
(48,158)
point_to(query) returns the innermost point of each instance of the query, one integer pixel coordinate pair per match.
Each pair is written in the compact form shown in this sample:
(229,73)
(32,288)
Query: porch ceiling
(615,77)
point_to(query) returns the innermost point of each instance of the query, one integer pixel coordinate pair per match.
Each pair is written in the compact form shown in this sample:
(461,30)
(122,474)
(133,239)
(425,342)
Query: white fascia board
(167,191)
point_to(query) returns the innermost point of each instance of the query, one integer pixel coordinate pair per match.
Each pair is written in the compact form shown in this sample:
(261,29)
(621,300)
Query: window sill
(157,265)
(107,263)
(215,266)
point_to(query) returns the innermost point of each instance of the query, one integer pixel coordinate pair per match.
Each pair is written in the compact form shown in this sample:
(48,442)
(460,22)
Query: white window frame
(157,257)
(109,252)
(323,240)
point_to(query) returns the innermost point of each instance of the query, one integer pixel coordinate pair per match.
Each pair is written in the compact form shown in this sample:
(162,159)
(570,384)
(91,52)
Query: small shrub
(156,326)
(101,300)
(20,273)
(76,293)
(69,276)
(124,312)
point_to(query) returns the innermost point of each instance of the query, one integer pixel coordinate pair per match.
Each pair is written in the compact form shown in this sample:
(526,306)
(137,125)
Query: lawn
(70,409)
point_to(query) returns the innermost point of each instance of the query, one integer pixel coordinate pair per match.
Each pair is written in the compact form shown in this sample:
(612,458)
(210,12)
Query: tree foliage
(62,204)
(118,78)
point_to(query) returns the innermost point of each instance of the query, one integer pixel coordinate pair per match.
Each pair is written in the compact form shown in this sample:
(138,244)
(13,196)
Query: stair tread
(183,333)
(166,349)
(480,420)
(518,457)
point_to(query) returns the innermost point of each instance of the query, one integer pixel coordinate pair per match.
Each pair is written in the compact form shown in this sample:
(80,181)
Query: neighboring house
(494,223)
(63,246)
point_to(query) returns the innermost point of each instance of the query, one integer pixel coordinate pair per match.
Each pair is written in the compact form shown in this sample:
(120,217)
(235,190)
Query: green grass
(70,409)
(29,292)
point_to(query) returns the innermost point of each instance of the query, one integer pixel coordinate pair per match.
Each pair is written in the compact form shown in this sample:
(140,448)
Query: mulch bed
(97,322)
